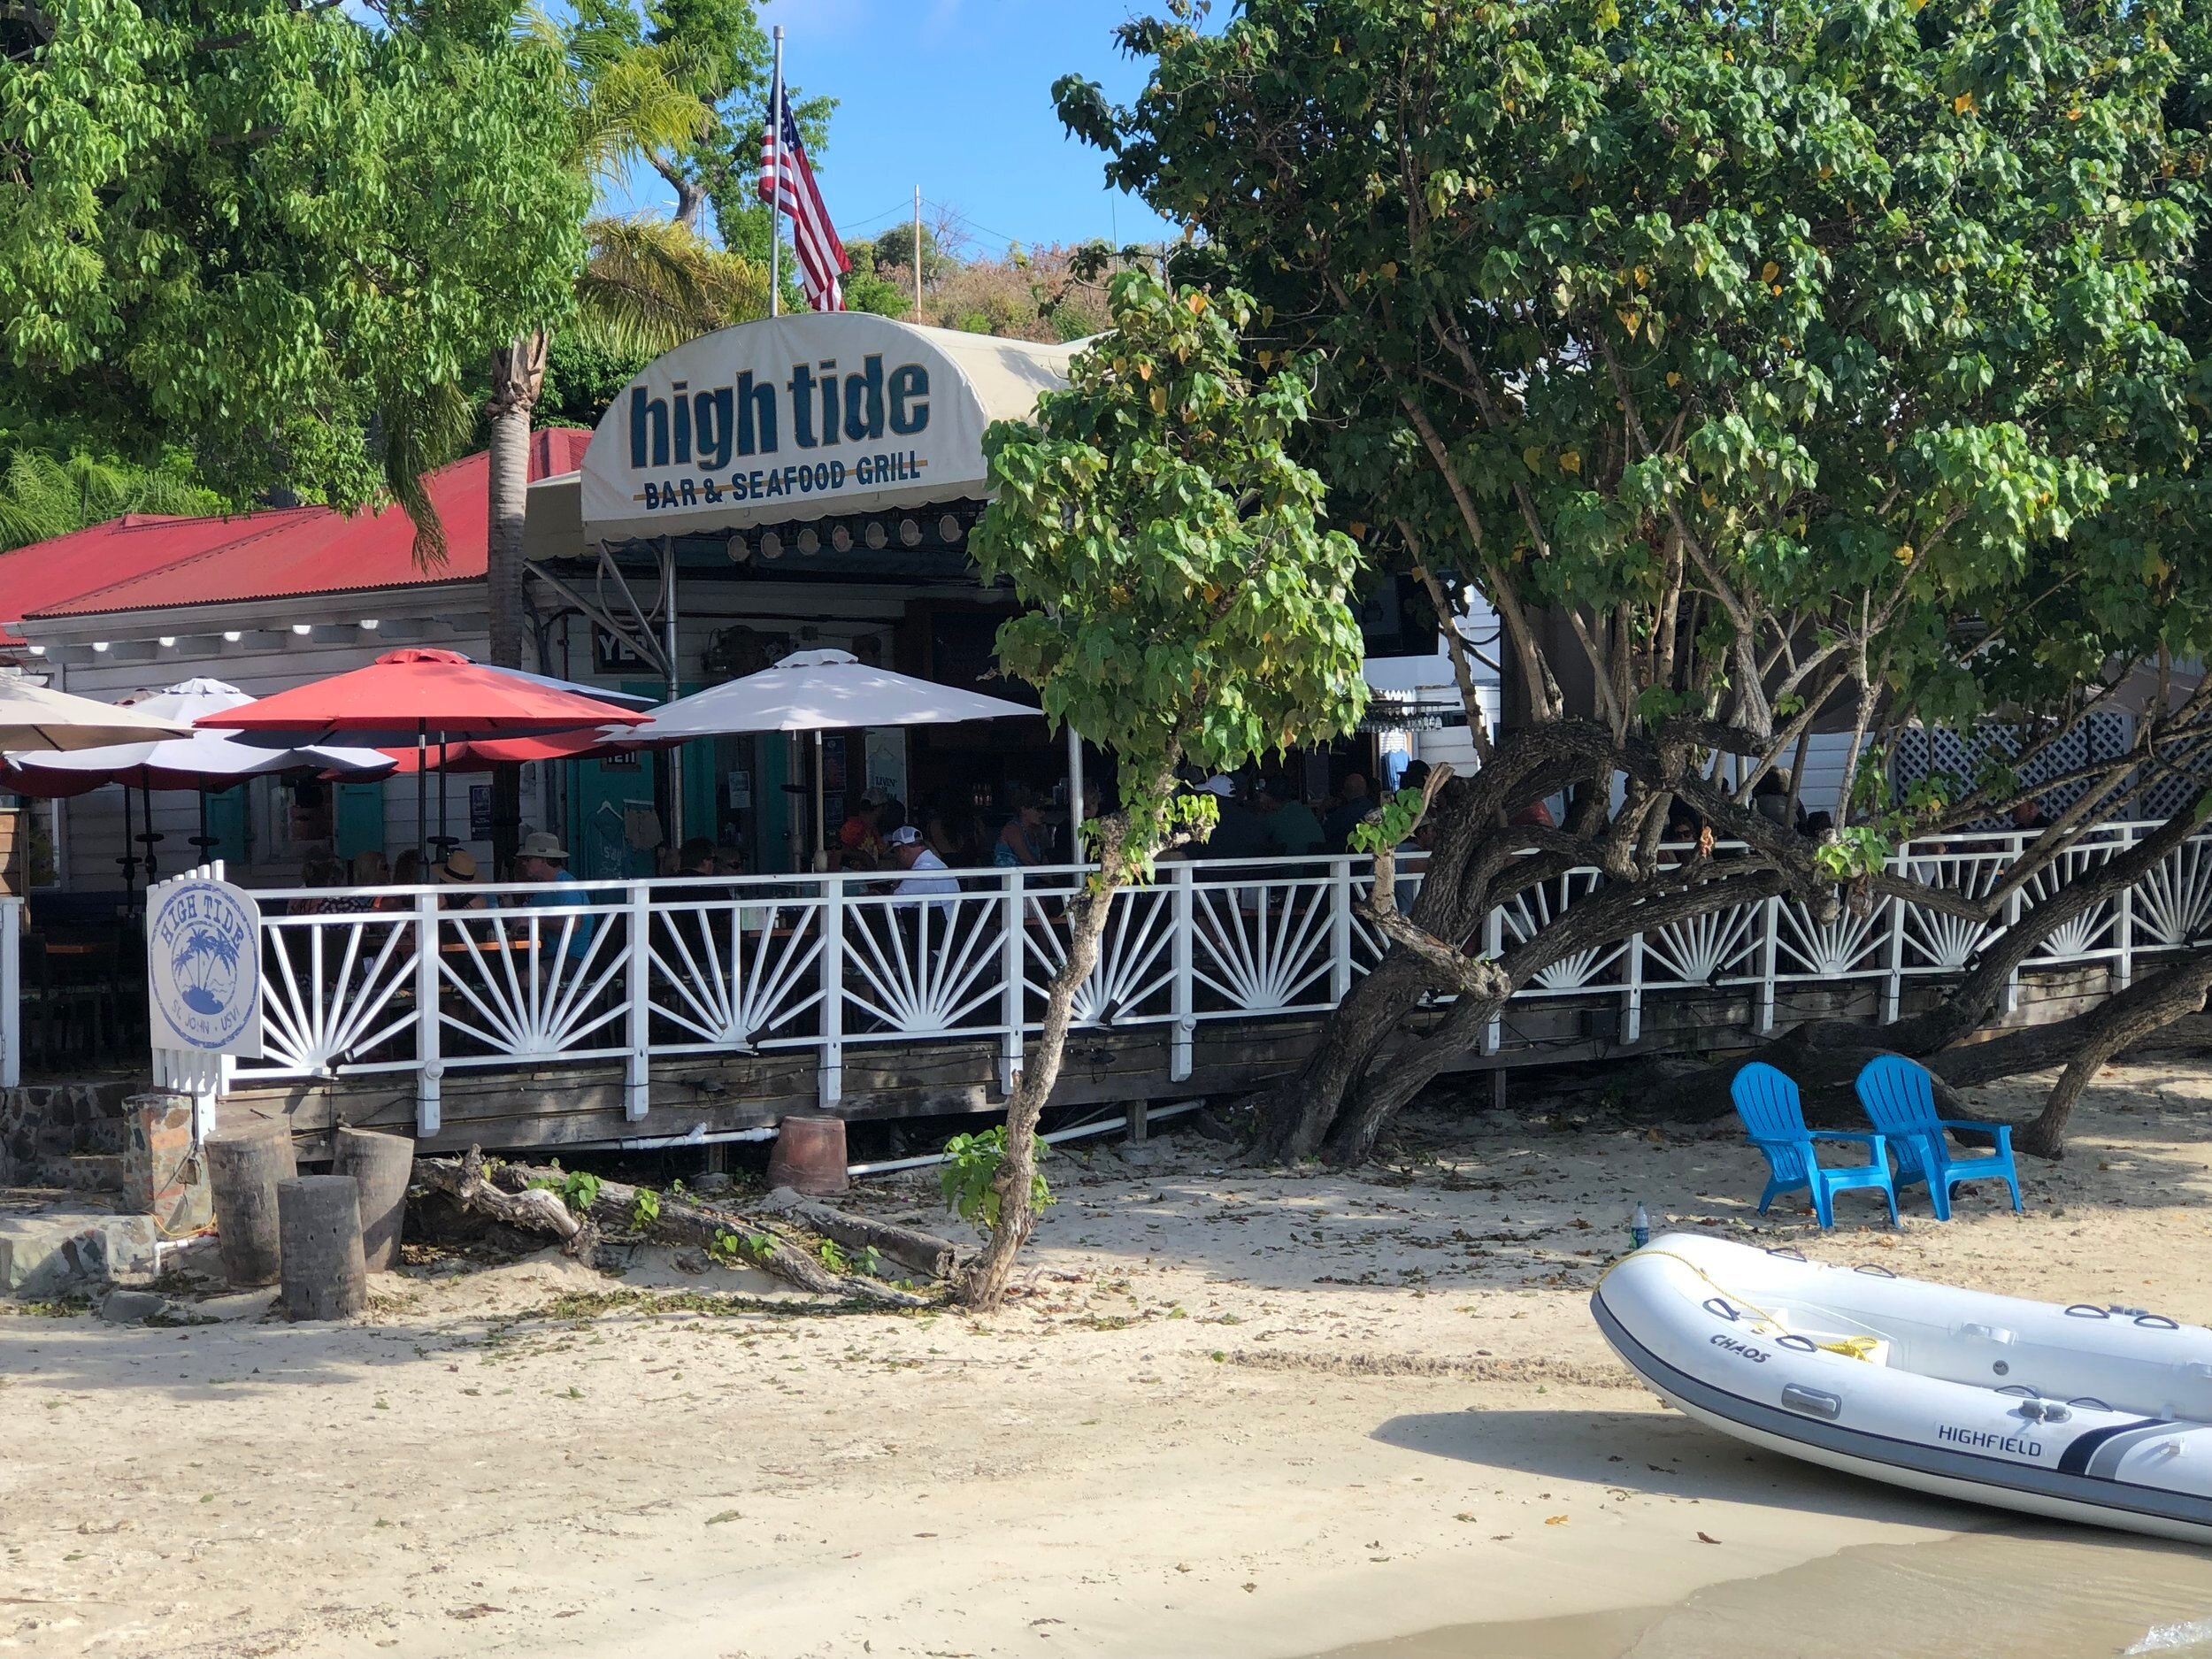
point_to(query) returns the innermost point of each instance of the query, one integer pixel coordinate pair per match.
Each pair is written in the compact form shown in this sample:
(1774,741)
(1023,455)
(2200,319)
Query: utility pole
(917,251)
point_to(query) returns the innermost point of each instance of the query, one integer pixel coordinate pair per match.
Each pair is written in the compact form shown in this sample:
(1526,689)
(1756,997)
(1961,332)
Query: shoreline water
(1232,1411)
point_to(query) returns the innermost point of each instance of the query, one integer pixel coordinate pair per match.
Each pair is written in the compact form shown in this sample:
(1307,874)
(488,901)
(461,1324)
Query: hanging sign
(204,967)
(805,416)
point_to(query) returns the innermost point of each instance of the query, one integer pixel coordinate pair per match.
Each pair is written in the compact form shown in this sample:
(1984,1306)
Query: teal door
(360,818)
(226,826)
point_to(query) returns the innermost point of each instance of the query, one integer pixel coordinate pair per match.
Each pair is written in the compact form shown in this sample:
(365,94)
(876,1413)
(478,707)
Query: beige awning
(801,418)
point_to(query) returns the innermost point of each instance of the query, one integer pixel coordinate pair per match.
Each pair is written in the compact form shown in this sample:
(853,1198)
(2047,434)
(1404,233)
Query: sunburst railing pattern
(403,982)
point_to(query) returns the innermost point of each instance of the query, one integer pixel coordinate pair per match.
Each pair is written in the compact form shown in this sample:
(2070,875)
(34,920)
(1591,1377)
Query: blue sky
(956,96)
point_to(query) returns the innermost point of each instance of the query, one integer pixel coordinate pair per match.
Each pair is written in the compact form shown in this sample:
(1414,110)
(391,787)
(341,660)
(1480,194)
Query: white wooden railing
(634,971)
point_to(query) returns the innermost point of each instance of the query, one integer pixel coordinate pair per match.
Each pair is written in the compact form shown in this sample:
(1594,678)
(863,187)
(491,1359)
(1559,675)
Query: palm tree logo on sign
(202,968)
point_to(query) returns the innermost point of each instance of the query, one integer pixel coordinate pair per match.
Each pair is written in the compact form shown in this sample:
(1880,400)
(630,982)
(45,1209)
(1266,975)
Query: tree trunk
(985,1287)
(1412,1069)
(690,195)
(2124,1021)
(1297,1114)
(517,374)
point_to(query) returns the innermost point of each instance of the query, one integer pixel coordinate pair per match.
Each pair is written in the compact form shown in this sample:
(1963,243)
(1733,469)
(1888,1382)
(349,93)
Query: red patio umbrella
(417,696)
(484,754)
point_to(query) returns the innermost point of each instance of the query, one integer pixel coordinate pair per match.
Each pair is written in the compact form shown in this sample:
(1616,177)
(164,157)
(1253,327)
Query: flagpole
(775,214)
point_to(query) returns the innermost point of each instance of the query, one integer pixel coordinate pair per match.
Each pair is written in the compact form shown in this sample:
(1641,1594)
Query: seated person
(1238,831)
(1021,843)
(1292,826)
(860,837)
(542,860)
(1353,807)
(457,869)
(923,882)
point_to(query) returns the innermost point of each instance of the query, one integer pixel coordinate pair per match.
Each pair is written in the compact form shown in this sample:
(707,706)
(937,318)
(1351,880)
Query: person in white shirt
(919,860)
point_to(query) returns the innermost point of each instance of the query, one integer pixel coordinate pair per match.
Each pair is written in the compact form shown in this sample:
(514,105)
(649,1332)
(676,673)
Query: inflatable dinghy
(2094,1414)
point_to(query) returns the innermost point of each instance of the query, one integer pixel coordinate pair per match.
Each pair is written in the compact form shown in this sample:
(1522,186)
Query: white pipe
(1052,1140)
(654,1143)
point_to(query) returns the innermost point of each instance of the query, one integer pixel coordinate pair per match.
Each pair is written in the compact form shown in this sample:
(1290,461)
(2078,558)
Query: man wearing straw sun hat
(542,859)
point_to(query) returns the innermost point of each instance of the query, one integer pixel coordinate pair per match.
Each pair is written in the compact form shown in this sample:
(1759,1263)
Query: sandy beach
(1235,1411)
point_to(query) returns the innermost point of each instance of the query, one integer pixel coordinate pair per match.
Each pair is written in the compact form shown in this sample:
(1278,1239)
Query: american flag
(787,183)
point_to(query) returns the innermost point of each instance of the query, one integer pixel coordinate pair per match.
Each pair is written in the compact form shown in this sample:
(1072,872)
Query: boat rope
(1851,1347)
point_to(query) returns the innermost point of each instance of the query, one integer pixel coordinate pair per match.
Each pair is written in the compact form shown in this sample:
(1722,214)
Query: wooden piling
(243,1168)
(324,1274)
(383,1164)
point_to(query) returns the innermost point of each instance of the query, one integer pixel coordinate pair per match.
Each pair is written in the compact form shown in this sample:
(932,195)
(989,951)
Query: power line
(897,208)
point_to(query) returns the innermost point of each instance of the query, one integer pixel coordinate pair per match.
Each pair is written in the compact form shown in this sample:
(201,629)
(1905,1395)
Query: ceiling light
(876,535)
(233,635)
(38,650)
(99,645)
(369,625)
(303,629)
(809,543)
(948,529)
(771,546)
(739,549)
(168,642)
(909,533)
(841,539)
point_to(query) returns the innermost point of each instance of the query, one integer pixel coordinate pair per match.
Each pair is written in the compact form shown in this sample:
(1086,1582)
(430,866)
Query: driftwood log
(769,1243)
(922,1252)
(533,1210)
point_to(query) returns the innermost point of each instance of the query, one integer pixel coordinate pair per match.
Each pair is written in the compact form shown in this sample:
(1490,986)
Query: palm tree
(645,286)
(42,495)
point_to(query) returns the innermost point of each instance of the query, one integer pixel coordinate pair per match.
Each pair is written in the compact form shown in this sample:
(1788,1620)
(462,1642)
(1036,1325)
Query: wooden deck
(582,1104)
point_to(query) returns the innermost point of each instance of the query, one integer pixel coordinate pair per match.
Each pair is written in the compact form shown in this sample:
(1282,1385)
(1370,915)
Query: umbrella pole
(130,861)
(422,798)
(146,798)
(821,830)
(445,842)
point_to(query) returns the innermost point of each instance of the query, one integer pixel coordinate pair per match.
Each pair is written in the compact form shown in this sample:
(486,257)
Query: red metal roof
(139,563)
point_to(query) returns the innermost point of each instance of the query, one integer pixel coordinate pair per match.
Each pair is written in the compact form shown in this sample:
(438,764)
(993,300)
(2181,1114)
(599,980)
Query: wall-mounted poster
(886,761)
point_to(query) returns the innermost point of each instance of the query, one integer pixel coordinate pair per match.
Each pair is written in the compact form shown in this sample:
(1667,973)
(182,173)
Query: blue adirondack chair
(1767,1102)
(1900,1100)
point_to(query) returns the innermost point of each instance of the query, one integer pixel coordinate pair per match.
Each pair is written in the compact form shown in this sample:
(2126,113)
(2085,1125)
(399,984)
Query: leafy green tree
(253,228)
(1763,369)
(867,290)
(1184,608)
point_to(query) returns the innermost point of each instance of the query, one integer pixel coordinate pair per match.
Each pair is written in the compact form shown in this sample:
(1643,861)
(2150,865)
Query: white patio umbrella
(36,717)
(821,691)
(199,760)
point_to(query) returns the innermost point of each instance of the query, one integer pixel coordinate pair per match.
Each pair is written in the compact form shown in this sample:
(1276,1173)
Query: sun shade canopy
(417,694)
(823,691)
(35,719)
(201,760)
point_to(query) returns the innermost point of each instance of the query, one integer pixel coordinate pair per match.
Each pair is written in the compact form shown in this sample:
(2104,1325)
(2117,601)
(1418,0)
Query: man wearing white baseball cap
(915,855)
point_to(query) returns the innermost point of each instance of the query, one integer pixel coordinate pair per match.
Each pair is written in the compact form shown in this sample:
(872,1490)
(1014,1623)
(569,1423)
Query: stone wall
(71,1135)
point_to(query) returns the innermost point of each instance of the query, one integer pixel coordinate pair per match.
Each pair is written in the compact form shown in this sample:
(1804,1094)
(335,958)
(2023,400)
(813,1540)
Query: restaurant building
(802,482)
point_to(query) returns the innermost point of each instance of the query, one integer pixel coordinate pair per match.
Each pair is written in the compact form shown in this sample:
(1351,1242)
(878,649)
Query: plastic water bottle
(1640,1226)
